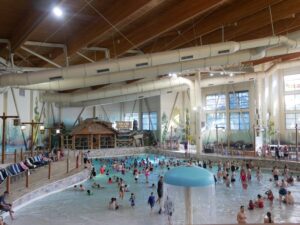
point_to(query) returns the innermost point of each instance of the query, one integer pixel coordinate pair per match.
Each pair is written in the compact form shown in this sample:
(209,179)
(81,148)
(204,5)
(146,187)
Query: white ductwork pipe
(125,98)
(223,80)
(139,88)
(162,59)
(152,72)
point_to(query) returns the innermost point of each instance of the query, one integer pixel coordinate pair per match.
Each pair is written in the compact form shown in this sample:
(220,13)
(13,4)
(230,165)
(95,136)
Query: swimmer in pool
(289,199)
(241,217)
(270,195)
(259,202)
(151,201)
(132,200)
(268,218)
(258,174)
(81,187)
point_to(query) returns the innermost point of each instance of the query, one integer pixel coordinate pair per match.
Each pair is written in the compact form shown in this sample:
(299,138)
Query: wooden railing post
(49,170)
(68,161)
(15,156)
(81,157)
(27,178)
(21,154)
(77,161)
(8,184)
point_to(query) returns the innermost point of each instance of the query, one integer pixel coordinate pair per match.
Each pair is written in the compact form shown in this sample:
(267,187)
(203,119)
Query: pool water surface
(76,208)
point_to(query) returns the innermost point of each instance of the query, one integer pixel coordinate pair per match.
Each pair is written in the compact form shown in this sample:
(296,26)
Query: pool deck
(39,177)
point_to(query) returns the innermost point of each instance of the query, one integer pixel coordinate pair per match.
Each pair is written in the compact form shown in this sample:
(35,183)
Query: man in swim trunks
(160,189)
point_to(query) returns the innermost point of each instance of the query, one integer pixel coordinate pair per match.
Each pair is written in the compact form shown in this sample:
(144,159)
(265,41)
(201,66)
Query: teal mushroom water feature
(196,187)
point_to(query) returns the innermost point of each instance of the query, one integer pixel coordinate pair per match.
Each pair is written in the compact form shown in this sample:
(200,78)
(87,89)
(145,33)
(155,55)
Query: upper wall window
(216,102)
(292,82)
(149,120)
(292,102)
(239,100)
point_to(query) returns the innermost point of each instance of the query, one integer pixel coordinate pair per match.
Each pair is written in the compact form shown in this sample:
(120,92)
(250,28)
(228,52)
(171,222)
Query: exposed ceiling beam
(280,58)
(113,18)
(152,26)
(40,56)
(85,57)
(40,10)
(256,26)
(221,17)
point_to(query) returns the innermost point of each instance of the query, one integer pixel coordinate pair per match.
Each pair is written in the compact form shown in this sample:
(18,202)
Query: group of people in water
(227,173)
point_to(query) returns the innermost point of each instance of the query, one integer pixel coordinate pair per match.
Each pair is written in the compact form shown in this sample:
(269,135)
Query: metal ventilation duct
(164,62)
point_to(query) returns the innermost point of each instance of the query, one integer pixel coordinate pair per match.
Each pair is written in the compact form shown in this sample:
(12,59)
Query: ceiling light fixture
(211,74)
(57,11)
(231,74)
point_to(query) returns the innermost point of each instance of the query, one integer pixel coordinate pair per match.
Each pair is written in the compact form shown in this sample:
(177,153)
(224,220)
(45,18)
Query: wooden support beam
(170,16)
(228,16)
(257,26)
(109,20)
(37,14)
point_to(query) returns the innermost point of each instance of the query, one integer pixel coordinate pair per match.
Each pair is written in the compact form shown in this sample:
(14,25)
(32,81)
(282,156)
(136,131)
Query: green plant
(164,125)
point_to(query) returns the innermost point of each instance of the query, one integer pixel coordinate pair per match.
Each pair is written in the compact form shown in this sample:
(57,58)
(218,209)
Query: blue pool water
(74,207)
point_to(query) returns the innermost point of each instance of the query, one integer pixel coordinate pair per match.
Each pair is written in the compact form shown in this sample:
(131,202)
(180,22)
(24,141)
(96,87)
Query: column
(188,206)
(193,113)
(198,112)
(257,134)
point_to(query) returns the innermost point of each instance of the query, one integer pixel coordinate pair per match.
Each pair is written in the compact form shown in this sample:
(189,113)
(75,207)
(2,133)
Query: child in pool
(251,205)
(132,200)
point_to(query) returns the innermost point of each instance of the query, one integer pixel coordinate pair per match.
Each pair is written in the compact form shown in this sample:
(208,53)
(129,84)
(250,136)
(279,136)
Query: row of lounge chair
(18,168)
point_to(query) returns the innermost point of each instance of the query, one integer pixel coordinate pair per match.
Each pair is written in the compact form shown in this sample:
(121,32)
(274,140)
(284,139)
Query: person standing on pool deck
(86,157)
(241,217)
(169,209)
(160,189)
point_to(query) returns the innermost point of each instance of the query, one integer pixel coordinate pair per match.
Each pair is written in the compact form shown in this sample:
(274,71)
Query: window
(292,82)
(291,119)
(292,102)
(216,102)
(213,119)
(239,121)
(239,100)
(146,122)
(149,121)
(131,117)
(153,120)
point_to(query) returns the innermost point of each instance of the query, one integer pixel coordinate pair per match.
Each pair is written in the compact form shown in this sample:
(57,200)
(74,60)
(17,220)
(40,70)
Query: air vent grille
(103,70)
(56,78)
(141,64)
(187,57)
(224,51)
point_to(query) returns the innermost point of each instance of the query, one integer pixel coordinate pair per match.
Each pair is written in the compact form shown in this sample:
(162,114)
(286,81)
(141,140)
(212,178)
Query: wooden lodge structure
(93,134)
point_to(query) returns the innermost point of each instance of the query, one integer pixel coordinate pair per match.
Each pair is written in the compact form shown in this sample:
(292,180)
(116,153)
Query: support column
(257,134)
(198,112)
(188,206)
